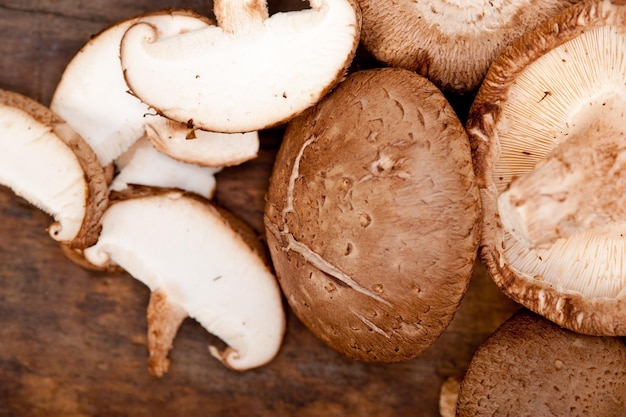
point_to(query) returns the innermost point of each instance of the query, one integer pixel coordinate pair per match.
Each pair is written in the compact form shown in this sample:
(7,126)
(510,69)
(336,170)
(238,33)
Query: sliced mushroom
(372,215)
(195,259)
(142,164)
(548,130)
(531,367)
(248,73)
(48,164)
(93,97)
(450,42)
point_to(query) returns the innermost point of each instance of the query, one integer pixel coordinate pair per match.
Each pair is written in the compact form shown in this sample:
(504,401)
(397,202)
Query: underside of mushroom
(548,129)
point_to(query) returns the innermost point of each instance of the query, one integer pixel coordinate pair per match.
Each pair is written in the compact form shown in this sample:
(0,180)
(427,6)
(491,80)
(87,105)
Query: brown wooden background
(73,342)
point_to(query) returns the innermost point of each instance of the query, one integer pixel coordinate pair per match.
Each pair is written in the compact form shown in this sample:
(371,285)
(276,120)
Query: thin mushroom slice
(250,71)
(452,43)
(142,164)
(199,261)
(94,99)
(531,367)
(48,164)
(203,148)
(548,130)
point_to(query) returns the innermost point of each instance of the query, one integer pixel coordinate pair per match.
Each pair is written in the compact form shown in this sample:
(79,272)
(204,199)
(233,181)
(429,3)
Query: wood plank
(73,342)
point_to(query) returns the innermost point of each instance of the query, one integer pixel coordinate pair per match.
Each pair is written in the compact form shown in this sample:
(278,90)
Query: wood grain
(73,342)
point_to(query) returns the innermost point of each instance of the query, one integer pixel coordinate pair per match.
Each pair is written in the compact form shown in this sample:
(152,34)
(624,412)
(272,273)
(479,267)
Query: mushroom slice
(142,164)
(93,96)
(200,147)
(194,257)
(450,42)
(548,129)
(372,215)
(248,73)
(45,162)
(531,367)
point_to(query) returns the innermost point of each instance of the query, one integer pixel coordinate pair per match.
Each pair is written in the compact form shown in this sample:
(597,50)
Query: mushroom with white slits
(200,262)
(531,367)
(93,97)
(48,164)
(251,71)
(548,130)
(452,43)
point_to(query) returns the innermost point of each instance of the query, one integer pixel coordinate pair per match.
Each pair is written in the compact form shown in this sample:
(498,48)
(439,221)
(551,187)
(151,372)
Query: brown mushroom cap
(548,131)
(450,42)
(372,215)
(531,367)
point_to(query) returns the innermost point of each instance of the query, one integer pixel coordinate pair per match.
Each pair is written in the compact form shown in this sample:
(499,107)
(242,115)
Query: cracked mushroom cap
(92,96)
(452,43)
(198,261)
(372,215)
(548,131)
(49,165)
(531,367)
(251,71)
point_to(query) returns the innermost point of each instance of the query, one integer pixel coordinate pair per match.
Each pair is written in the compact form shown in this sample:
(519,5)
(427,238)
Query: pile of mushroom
(380,200)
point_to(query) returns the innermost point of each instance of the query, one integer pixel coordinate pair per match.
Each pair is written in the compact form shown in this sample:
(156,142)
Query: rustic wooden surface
(73,342)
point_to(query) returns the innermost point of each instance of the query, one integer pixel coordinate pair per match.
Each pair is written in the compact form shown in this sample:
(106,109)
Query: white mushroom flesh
(144,165)
(182,246)
(41,168)
(572,241)
(263,73)
(93,97)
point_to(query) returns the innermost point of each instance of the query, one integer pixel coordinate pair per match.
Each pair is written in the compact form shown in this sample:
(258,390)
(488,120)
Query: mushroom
(49,165)
(450,42)
(142,164)
(198,261)
(548,133)
(531,367)
(372,215)
(93,97)
(251,71)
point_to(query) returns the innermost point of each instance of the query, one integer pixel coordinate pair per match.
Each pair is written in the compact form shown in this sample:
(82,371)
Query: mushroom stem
(578,187)
(164,319)
(235,16)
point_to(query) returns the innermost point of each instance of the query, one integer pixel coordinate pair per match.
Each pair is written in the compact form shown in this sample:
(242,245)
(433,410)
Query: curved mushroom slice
(210,149)
(548,129)
(142,164)
(93,96)
(250,72)
(189,252)
(532,367)
(45,162)
(450,42)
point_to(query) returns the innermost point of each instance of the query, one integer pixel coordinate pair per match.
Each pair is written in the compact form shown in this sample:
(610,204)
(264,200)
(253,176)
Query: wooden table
(73,342)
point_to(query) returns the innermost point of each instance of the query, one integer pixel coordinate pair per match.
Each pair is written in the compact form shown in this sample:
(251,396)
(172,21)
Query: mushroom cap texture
(372,215)
(451,43)
(48,164)
(488,124)
(531,367)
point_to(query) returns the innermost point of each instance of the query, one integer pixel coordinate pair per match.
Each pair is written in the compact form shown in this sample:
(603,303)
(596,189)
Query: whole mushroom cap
(548,133)
(531,367)
(372,215)
(452,43)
